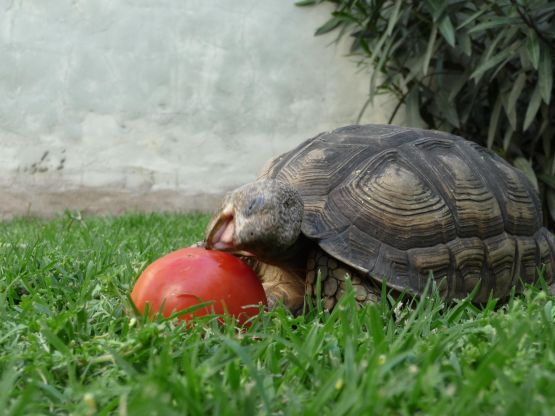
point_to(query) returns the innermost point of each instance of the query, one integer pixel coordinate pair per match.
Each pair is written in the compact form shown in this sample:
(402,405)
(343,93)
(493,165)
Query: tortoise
(381,203)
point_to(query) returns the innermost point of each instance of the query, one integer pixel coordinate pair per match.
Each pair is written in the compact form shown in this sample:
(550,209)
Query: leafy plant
(481,69)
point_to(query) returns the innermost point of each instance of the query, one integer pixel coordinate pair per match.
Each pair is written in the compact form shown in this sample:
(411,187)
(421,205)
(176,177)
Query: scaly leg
(333,276)
(281,285)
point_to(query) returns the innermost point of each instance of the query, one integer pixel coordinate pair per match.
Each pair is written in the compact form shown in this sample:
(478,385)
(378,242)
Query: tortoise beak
(221,231)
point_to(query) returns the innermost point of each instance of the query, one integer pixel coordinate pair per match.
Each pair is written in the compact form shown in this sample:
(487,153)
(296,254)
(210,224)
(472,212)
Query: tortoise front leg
(333,277)
(281,285)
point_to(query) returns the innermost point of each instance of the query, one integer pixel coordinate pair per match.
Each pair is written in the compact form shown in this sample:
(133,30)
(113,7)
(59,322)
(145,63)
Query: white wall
(160,104)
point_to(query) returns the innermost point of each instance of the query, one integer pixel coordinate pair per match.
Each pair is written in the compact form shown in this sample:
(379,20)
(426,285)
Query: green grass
(69,344)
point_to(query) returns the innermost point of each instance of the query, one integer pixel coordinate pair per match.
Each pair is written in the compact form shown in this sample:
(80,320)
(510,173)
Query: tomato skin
(180,277)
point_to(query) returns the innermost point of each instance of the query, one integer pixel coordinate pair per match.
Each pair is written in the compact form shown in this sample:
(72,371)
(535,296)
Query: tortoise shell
(397,204)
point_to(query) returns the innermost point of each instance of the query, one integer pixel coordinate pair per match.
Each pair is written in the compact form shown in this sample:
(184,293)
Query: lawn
(70,344)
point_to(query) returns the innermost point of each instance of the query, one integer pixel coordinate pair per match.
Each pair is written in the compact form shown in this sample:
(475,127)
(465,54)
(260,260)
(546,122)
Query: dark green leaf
(328,26)
(473,17)
(413,109)
(533,48)
(429,49)
(448,109)
(364,46)
(509,35)
(549,180)
(465,44)
(511,115)
(533,107)
(457,82)
(525,63)
(346,17)
(494,120)
(526,167)
(545,75)
(436,8)
(378,52)
(511,99)
(447,30)
(490,63)
(306,3)
(508,138)
(512,53)
(515,91)
(502,21)
(394,17)
(543,10)
(492,46)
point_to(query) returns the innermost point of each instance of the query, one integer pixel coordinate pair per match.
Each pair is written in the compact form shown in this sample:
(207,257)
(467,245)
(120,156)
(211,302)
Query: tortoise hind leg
(333,276)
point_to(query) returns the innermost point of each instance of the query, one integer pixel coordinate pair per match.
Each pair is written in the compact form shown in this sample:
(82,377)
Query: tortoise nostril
(288,203)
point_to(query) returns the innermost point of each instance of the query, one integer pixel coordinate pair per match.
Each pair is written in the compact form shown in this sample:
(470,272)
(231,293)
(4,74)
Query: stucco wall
(160,104)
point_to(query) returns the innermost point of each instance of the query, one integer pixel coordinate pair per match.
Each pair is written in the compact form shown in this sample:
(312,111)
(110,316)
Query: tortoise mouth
(221,233)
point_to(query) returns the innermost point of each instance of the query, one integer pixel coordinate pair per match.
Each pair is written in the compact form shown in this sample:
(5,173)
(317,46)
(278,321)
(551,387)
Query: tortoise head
(262,218)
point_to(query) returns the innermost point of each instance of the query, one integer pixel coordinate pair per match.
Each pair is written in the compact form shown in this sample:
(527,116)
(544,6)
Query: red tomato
(179,278)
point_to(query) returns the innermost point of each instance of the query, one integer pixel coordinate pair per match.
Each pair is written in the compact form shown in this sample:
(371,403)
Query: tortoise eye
(255,204)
